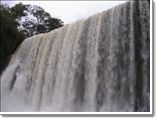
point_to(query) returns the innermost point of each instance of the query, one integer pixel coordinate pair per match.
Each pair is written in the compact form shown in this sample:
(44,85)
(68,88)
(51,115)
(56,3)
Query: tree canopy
(19,22)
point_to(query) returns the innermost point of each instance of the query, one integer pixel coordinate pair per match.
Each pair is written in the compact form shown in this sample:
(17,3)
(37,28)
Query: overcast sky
(70,11)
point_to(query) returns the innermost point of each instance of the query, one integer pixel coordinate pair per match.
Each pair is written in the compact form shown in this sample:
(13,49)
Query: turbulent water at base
(97,64)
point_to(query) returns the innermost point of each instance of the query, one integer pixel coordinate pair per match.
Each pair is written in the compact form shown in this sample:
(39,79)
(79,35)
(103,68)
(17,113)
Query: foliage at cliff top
(19,22)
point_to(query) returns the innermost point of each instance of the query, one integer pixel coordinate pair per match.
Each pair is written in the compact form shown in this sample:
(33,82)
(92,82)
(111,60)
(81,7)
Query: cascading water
(98,64)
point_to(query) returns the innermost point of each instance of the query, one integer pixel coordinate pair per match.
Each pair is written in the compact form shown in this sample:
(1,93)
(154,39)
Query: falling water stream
(96,64)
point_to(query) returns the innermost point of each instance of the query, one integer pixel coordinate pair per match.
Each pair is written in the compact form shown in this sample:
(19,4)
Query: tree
(19,22)
(18,11)
(10,36)
(53,23)
(40,21)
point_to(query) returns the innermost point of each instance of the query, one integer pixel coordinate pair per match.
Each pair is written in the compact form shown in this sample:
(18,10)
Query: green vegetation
(19,22)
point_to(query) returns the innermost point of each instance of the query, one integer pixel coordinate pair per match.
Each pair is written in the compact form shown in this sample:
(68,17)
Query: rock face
(98,64)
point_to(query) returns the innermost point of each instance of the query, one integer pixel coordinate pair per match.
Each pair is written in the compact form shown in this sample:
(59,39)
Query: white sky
(70,11)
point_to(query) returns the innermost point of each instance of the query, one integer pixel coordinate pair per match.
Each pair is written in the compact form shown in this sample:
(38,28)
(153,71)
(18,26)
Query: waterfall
(98,64)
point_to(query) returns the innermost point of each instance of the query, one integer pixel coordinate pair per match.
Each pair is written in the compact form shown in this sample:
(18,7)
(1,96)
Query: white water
(97,64)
